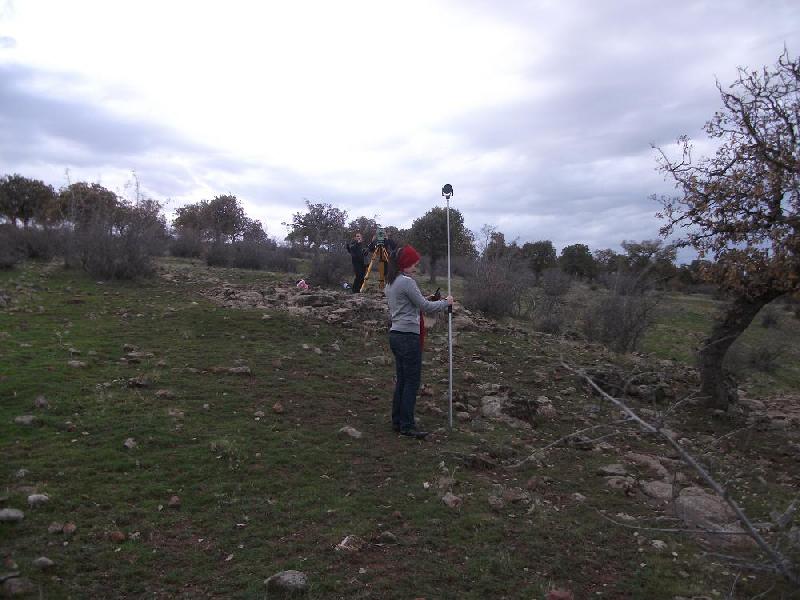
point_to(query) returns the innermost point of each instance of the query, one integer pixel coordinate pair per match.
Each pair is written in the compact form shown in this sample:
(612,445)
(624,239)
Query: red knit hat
(407,257)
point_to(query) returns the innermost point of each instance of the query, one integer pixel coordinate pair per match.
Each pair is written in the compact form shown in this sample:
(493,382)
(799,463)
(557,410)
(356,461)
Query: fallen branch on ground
(779,563)
(537,453)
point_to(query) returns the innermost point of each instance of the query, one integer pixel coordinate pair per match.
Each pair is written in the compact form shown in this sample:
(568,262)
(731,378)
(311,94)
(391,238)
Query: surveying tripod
(382,256)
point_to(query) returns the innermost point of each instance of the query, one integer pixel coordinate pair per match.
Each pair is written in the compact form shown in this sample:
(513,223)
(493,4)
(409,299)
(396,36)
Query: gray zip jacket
(405,303)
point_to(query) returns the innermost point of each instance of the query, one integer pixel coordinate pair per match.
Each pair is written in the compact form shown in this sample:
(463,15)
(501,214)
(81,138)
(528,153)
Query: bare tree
(741,207)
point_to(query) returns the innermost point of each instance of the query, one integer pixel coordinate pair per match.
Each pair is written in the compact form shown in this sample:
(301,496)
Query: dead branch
(780,563)
(538,452)
(671,529)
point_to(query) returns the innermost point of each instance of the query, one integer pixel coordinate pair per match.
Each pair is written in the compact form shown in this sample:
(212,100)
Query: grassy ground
(260,493)
(685,320)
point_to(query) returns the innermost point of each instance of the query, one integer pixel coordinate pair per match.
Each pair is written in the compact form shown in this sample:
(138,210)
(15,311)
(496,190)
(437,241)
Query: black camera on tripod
(380,236)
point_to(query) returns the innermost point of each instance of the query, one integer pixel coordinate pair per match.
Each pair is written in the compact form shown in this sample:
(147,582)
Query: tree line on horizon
(218,227)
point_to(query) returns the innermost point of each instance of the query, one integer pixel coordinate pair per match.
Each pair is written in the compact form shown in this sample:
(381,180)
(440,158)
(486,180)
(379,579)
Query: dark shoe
(414,433)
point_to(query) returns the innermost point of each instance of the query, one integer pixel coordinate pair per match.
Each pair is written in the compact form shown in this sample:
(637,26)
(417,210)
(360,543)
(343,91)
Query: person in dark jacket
(407,335)
(360,258)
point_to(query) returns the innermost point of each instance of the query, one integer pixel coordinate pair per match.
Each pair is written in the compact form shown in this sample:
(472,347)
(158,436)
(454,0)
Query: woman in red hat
(407,336)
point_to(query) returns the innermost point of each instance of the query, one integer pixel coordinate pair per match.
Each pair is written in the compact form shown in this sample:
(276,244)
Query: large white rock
(286,584)
(11,515)
(698,508)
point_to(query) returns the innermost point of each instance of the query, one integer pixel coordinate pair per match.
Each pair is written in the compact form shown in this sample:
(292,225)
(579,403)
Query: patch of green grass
(260,493)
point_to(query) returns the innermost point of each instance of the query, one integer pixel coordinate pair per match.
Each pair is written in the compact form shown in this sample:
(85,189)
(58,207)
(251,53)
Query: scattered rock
(25,420)
(546,412)
(139,382)
(41,403)
(578,497)
(43,563)
(117,536)
(77,364)
(658,490)
(130,443)
(286,584)
(239,371)
(277,408)
(351,431)
(492,407)
(22,473)
(17,586)
(175,412)
(35,500)
(496,502)
(613,470)
(659,544)
(650,462)
(129,348)
(451,500)
(387,537)
(698,508)
(11,515)
(259,414)
(350,543)
(516,496)
(55,527)
(174,502)
(167,394)
(620,483)
(69,529)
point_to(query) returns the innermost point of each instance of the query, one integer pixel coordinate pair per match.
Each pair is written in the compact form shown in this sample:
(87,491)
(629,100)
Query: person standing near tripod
(407,335)
(360,258)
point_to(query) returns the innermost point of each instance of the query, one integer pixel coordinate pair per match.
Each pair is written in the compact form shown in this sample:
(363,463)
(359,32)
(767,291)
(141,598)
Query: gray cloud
(571,162)
(31,122)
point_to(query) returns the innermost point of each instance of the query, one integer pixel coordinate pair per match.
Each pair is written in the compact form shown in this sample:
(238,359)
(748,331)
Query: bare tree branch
(781,564)
(559,441)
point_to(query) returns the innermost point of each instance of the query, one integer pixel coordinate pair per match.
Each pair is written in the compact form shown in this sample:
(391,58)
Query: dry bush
(116,245)
(460,266)
(42,244)
(550,315)
(499,287)
(555,282)
(330,269)
(249,255)
(187,244)
(624,284)
(219,255)
(279,259)
(10,253)
(619,321)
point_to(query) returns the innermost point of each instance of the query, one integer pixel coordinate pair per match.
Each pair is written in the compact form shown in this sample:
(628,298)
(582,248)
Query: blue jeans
(408,360)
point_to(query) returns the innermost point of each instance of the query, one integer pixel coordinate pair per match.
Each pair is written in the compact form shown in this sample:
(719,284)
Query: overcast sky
(541,114)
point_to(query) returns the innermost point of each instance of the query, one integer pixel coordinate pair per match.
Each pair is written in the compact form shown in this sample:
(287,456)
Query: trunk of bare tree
(717,385)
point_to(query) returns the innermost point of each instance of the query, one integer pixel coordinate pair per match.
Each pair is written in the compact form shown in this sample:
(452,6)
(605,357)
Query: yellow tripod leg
(369,269)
